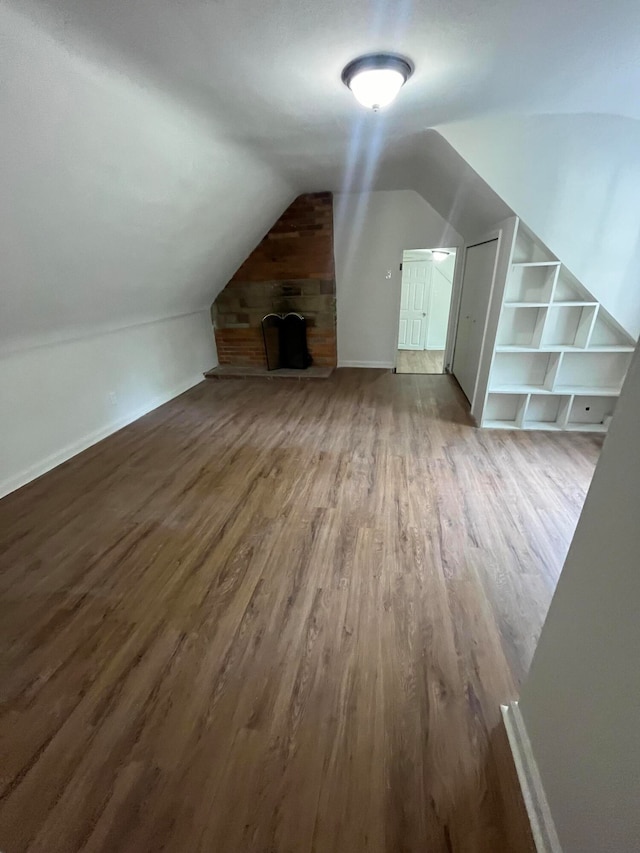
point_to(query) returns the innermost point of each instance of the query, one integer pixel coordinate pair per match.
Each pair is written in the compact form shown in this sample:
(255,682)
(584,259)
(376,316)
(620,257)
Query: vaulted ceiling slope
(270,69)
(119,204)
(151,143)
(575,181)
(430,165)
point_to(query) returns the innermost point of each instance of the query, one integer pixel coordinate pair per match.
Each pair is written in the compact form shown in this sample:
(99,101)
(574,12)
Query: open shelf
(521,326)
(607,334)
(559,360)
(568,326)
(526,304)
(530,371)
(591,413)
(610,348)
(575,304)
(519,389)
(532,410)
(586,428)
(562,348)
(505,411)
(546,412)
(516,348)
(586,390)
(568,290)
(528,250)
(526,370)
(531,282)
(593,370)
(499,424)
(550,426)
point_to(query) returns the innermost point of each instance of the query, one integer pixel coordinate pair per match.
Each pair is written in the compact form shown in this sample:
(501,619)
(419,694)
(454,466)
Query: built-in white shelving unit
(559,359)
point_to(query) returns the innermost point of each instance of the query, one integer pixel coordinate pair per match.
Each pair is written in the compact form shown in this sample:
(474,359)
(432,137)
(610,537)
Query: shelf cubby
(534,371)
(568,290)
(528,250)
(505,411)
(568,326)
(521,326)
(606,334)
(531,282)
(546,412)
(600,373)
(559,359)
(590,413)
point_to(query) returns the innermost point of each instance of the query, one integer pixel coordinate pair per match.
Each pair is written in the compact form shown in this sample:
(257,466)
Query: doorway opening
(425,303)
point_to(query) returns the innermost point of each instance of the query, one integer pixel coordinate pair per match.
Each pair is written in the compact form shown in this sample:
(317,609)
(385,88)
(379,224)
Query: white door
(479,266)
(414,301)
(438,313)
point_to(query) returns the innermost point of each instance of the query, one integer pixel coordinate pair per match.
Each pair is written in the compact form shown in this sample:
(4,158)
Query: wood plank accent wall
(292,269)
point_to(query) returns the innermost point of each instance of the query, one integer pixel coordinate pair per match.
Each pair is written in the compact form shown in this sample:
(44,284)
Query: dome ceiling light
(376,79)
(439,254)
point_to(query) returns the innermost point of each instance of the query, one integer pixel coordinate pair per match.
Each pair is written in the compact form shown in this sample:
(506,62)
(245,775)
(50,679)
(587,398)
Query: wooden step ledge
(232,371)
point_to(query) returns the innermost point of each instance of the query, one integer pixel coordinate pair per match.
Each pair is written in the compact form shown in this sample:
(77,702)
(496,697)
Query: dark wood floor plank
(279,616)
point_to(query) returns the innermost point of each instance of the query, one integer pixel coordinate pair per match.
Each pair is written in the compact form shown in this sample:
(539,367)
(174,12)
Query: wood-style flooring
(420,361)
(279,618)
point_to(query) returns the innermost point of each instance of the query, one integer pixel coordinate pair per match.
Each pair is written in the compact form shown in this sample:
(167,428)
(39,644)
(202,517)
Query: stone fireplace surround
(292,269)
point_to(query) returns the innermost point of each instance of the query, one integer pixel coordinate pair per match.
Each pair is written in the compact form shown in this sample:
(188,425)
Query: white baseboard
(540,819)
(384,365)
(49,462)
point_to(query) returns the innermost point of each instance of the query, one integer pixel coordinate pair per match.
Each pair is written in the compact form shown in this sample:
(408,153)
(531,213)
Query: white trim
(65,337)
(385,365)
(451,329)
(540,819)
(454,308)
(505,233)
(39,468)
(397,312)
(499,236)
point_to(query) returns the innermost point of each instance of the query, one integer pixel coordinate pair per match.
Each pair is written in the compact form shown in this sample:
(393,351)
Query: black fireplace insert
(285,341)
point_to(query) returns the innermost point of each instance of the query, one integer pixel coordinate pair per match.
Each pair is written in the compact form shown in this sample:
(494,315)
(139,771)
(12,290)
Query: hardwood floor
(279,616)
(420,361)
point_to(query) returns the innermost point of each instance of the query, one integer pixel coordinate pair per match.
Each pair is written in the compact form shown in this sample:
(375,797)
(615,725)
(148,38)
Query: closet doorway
(425,302)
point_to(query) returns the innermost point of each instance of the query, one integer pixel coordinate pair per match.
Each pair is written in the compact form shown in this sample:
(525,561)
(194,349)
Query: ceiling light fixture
(376,79)
(439,254)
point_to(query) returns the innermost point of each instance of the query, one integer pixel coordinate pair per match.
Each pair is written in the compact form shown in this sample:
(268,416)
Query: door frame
(505,233)
(459,252)
(402,271)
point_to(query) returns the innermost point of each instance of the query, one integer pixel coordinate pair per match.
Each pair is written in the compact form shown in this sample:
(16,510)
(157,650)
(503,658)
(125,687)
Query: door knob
(424,314)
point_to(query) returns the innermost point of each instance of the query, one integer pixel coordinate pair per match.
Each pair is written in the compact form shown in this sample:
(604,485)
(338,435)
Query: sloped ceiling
(119,205)
(575,181)
(270,69)
(428,164)
(153,142)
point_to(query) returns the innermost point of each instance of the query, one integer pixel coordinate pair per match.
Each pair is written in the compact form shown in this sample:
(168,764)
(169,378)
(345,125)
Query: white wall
(427,163)
(118,205)
(56,399)
(581,702)
(371,232)
(446,268)
(440,302)
(574,181)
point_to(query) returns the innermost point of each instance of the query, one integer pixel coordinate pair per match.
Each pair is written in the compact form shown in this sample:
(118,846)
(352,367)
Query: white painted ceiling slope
(152,142)
(119,205)
(575,181)
(270,69)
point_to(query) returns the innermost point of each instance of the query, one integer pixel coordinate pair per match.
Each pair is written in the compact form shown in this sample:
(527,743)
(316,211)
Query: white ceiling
(147,145)
(269,70)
